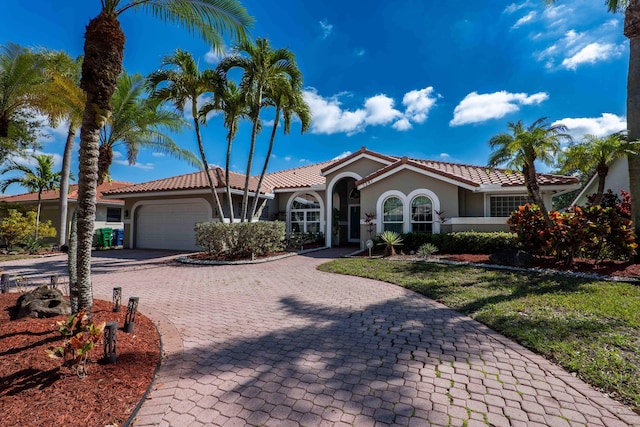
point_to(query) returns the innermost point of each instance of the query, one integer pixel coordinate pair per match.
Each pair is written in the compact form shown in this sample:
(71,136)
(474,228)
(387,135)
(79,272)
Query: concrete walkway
(281,344)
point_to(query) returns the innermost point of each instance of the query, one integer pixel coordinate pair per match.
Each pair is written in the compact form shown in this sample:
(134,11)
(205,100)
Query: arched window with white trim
(421,214)
(305,214)
(392,214)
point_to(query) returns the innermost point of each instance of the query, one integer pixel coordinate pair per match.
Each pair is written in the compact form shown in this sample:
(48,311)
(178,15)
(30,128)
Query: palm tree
(231,101)
(37,179)
(21,75)
(184,84)
(65,101)
(263,69)
(525,145)
(137,122)
(631,10)
(289,101)
(594,153)
(102,64)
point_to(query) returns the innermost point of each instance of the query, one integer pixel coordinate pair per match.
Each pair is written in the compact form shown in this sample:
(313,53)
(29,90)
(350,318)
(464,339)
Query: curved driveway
(281,343)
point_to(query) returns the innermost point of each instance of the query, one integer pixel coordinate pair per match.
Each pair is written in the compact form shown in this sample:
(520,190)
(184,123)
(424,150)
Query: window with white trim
(305,214)
(393,215)
(421,214)
(503,206)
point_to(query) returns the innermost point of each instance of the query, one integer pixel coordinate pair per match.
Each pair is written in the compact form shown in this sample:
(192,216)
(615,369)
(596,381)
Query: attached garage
(169,224)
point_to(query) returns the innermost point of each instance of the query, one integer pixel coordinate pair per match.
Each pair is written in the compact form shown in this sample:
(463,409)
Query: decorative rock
(512,257)
(42,302)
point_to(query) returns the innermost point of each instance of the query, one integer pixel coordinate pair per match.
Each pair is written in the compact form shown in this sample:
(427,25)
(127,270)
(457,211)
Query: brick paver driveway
(282,344)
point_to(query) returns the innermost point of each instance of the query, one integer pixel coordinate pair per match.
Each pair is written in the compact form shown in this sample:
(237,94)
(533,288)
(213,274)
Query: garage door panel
(169,225)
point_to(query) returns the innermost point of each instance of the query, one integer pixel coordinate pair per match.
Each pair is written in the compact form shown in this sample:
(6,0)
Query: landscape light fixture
(130,318)
(110,341)
(117,299)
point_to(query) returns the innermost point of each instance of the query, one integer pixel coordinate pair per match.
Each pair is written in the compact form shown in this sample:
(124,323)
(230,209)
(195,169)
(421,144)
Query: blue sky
(403,78)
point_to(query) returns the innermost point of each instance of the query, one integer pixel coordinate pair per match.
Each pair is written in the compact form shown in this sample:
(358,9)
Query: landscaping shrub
(243,240)
(20,228)
(470,242)
(593,232)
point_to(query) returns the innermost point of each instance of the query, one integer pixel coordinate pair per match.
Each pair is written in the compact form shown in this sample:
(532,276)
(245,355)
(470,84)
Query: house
(333,197)
(617,179)
(108,211)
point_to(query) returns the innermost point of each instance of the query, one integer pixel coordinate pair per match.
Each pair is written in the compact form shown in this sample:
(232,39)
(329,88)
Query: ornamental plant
(391,239)
(80,335)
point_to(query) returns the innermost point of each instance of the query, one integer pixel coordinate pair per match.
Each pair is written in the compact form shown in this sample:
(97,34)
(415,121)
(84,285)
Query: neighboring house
(617,179)
(332,197)
(108,211)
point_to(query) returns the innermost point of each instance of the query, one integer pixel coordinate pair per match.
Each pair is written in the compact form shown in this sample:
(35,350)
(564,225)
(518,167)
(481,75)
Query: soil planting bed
(36,390)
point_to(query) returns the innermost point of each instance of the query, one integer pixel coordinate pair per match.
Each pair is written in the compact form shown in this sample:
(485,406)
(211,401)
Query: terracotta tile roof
(192,181)
(73,194)
(362,150)
(305,176)
(472,175)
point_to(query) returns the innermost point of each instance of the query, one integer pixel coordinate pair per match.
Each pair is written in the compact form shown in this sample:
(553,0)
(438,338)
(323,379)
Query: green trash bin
(106,237)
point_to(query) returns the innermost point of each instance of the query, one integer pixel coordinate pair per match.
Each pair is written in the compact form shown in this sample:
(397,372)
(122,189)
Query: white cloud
(326,28)
(599,126)
(287,158)
(418,103)
(514,7)
(524,20)
(359,52)
(214,56)
(380,110)
(478,108)
(329,117)
(592,53)
(156,154)
(143,166)
(444,156)
(402,124)
(304,160)
(342,155)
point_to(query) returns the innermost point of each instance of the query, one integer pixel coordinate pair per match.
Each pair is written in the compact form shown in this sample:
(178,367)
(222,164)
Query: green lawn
(588,327)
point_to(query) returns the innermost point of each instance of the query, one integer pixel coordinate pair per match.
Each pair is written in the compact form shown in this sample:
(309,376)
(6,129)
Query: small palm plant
(427,250)
(391,239)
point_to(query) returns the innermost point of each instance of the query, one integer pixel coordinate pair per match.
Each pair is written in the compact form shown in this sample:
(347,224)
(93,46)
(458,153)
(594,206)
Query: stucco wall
(470,203)
(361,167)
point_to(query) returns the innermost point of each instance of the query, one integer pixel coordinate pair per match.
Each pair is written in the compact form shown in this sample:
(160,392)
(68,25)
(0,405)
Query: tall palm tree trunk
(227,165)
(38,214)
(254,134)
(216,199)
(254,207)
(103,53)
(72,261)
(531,183)
(632,31)
(602,172)
(63,203)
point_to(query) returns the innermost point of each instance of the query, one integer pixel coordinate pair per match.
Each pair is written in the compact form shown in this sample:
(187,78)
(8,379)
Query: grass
(588,327)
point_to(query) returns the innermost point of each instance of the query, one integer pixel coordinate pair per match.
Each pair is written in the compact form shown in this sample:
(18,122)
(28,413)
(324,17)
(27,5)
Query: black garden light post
(110,342)
(130,317)
(117,299)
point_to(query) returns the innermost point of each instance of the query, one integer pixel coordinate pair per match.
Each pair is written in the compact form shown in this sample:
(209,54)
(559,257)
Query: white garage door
(169,226)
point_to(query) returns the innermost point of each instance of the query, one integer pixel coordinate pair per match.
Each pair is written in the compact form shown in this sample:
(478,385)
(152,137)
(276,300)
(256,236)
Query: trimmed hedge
(464,242)
(242,239)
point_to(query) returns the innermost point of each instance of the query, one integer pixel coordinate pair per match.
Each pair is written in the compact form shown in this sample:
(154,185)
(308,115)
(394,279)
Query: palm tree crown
(36,179)
(263,70)
(136,123)
(523,146)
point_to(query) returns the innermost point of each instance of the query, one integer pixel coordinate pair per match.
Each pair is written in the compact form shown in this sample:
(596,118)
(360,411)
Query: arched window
(421,214)
(305,214)
(393,217)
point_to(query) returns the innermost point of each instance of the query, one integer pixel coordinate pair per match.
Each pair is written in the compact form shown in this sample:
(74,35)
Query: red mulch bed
(36,390)
(605,268)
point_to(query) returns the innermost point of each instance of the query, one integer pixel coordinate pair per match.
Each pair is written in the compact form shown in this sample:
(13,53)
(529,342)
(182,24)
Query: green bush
(469,242)
(242,240)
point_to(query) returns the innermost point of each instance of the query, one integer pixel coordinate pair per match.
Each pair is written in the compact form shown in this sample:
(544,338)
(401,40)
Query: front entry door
(354,223)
